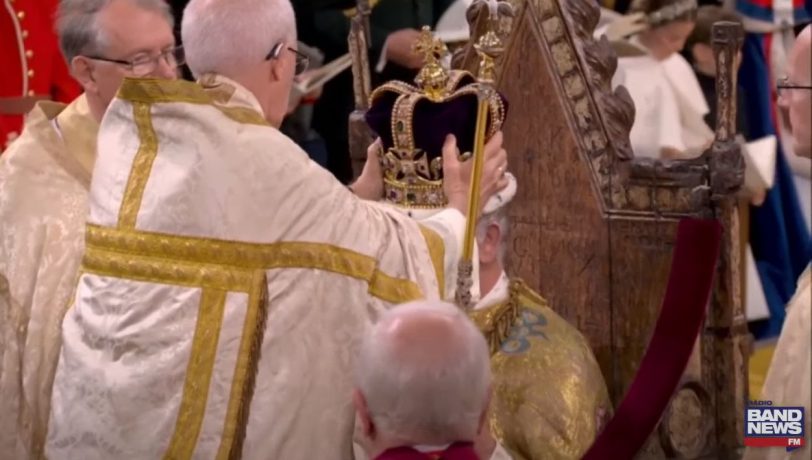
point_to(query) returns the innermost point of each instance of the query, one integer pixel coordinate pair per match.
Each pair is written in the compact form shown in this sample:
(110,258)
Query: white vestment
(44,183)
(226,284)
(669,104)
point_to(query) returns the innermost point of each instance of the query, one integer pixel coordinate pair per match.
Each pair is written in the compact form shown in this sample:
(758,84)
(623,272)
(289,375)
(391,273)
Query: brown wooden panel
(560,239)
(641,260)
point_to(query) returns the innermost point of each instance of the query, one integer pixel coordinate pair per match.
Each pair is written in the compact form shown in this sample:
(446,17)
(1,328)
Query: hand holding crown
(427,132)
(457,173)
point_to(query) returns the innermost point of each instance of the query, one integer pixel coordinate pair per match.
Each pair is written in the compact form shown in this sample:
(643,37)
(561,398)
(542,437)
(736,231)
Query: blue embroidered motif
(529,324)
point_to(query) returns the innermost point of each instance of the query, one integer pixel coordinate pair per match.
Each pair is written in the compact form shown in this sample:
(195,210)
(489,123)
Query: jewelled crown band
(413,122)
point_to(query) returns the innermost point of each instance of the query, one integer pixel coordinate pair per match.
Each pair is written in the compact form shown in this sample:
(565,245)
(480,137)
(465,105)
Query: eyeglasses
(784,85)
(302,60)
(143,66)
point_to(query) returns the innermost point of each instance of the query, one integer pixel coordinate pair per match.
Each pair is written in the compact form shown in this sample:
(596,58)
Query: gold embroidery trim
(153,91)
(213,278)
(496,322)
(247,367)
(104,262)
(198,374)
(437,253)
(215,263)
(142,165)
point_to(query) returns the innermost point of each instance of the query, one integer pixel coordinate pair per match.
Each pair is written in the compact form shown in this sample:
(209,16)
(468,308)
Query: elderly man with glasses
(44,181)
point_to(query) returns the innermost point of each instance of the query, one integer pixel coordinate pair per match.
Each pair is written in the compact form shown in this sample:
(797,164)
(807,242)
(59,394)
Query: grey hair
(500,219)
(78,28)
(417,391)
(228,36)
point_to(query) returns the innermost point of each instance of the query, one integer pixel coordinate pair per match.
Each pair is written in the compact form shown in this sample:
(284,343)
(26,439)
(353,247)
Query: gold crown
(413,174)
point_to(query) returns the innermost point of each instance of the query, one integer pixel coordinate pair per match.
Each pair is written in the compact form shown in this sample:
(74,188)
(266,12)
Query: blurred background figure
(670,107)
(394,26)
(32,66)
(780,227)
(699,52)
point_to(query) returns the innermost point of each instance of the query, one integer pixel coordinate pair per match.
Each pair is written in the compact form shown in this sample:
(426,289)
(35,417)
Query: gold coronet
(413,178)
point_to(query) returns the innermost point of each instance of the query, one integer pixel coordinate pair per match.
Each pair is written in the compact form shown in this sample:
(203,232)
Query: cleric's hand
(369,185)
(457,173)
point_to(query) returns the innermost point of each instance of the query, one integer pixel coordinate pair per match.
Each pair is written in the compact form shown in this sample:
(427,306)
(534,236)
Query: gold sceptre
(489,48)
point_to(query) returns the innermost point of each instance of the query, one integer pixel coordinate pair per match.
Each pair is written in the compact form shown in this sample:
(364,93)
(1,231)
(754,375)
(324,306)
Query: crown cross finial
(431,48)
(433,77)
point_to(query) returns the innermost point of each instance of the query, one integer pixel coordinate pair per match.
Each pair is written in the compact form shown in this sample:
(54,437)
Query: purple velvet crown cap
(431,121)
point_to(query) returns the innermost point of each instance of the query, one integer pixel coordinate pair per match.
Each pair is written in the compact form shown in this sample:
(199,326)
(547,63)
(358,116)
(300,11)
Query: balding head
(235,38)
(798,101)
(423,376)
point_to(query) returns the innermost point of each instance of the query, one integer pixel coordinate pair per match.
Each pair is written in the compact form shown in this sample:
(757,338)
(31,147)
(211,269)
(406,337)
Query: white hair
(226,36)
(498,218)
(430,386)
(78,28)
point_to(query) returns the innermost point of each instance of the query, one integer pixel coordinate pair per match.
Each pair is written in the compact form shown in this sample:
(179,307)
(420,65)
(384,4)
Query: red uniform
(31,64)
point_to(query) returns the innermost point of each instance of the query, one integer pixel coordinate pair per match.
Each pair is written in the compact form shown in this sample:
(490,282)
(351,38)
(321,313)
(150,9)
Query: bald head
(424,374)
(798,101)
(424,336)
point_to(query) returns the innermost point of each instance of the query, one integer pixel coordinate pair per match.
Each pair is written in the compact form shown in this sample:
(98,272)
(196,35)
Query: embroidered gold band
(242,389)
(497,321)
(152,91)
(437,253)
(198,374)
(144,157)
(222,264)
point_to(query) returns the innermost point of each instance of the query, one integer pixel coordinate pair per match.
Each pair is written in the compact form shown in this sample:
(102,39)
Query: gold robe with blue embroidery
(549,396)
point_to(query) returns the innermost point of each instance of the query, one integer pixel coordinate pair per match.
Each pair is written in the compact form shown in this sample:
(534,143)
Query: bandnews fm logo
(766,425)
